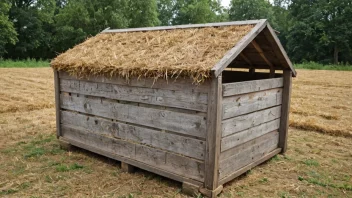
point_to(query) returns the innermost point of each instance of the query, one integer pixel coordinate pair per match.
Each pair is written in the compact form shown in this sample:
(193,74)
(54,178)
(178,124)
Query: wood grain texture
(133,162)
(286,101)
(240,148)
(242,104)
(248,155)
(186,99)
(249,166)
(249,134)
(237,88)
(240,123)
(235,51)
(147,136)
(213,134)
(176,164)
(57,102)
(193,125)
(180,84)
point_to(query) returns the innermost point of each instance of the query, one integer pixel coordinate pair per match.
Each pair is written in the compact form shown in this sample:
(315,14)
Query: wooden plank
(285,111)
(273,35)
(235,51)
(249,22)
(127,168)
(242,104)
(170,98)
(179,84)
(133,162)
(249,166)
(249,134)
(213,134)
(57,102)
(240,148)
(240,123)
(251,86)
(189,124)
(156,138)
(262,54)
(247,156)
(187,167)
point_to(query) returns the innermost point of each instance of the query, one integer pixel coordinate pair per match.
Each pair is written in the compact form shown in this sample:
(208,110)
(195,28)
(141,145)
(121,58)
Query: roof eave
(232,54)
(235,51)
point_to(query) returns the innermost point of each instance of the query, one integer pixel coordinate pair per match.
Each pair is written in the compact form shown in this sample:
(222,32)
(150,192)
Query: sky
(225,3)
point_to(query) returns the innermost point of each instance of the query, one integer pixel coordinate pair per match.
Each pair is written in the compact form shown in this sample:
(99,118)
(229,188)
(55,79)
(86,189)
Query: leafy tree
(198,11)
(166,10)
(143,13)
(8,33)
(79,19)
(248,10)
(30,19)
(320,31)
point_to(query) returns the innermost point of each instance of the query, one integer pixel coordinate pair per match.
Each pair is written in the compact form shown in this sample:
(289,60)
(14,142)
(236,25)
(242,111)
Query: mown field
(318,162)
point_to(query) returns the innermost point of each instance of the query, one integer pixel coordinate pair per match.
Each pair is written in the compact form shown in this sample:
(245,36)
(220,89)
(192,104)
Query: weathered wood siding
(160,124)
(251,114)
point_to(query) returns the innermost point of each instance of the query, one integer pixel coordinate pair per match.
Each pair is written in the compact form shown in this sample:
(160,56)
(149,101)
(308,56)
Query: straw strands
(154,54)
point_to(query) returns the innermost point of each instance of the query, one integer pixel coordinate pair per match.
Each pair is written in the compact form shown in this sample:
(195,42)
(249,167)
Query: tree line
(314,30)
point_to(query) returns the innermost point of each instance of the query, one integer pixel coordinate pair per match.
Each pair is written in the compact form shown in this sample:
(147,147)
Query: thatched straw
(154,54)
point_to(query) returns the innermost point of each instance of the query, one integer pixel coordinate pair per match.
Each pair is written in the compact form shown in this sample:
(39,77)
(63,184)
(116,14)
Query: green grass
(28,63)
(317,66)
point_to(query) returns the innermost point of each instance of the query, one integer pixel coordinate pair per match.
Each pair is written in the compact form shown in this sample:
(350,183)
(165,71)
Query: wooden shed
(200,104)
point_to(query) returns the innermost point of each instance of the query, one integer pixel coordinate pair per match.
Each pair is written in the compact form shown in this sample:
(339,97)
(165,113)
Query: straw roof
(157,54)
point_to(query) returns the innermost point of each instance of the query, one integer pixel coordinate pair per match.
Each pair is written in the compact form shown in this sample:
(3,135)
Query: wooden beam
(213,140)
(261,53)
(57,102)
(281,48)
(285,110)
(246,59)
(249,22)
(234,52)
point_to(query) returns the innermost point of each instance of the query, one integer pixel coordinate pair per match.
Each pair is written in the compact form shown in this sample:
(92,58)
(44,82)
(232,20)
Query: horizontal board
(156,138)
(186,99)
(248,167)
(180,84)
(235,150)
(193,125)
(244,122)
(183,166)
(242,104)
(249,134)
(248,155)
(251,86)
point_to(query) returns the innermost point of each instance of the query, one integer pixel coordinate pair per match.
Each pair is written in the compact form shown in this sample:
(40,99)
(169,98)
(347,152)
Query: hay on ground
(156,54)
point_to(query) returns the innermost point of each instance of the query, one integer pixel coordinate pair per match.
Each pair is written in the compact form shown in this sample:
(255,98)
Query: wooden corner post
(211,182)
(57,102)
(285,110)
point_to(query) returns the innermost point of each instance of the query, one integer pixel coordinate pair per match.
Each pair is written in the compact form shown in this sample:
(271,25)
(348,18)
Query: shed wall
(251,114)
(157,124)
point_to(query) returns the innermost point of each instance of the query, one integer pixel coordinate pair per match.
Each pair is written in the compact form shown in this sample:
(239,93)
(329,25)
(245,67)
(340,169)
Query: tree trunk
(336,55)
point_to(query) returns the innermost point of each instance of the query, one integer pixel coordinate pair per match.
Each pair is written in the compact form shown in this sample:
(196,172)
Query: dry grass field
(318,162)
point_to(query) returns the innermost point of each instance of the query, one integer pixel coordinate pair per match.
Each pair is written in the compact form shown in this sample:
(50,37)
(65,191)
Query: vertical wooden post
(57,102)
(285,110)
(213,135)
